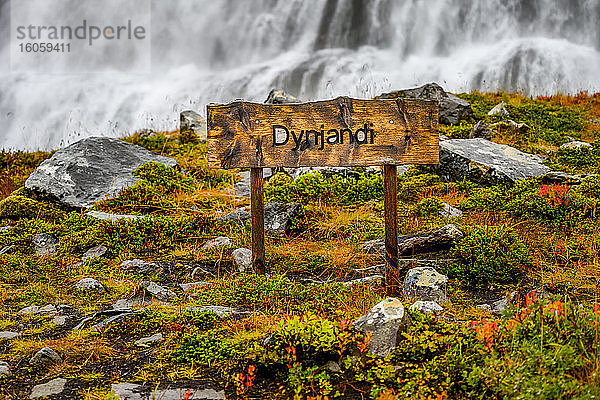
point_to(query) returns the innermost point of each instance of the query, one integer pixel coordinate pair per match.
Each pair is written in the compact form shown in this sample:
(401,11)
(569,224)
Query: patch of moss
(16,206)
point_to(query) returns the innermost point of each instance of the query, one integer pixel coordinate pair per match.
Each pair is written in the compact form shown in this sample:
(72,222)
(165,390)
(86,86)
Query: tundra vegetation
(293,335)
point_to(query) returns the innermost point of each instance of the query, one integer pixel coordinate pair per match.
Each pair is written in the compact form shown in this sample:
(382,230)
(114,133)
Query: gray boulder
(420,242)
(220,241)
(52,388)
(90,170)
(487,163)
(481,130)
(384,321)
(89,285)
(425,284)
(49,309)
(157,291)
(452,109)
(96,251)
(44,244)
(242,187)
(345,172)
(243,259)
(450,212)
(277,217)
(45,357)
(280,97)
(142,267)
(499,108)
(426,307)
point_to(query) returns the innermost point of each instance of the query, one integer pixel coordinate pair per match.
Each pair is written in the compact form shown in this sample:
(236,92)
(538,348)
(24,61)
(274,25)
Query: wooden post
(390,203)
(258,220)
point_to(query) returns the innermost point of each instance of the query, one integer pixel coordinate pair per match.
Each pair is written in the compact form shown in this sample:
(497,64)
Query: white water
(219,50)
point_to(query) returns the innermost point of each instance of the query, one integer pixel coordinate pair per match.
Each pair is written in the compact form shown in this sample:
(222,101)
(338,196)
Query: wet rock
(4,369)
(242,259)
(576,145)
(44,244)
(452,109)
(487,163)
(89,285)
(45,357)
(426,307)
(97,251)
(425,284)
(277,217)
(192,127)
(499,108)
(158,292)
(384,322)
(99,215)
(220,241)
(8,335)
(90,170)
(420,242)
(186,287)
(141,267)
(450,212)
(480,130)
(280,97)
(52,388)
(147,341)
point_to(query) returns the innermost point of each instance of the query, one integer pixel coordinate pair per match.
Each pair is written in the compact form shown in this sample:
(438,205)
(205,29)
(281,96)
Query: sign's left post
(257,205)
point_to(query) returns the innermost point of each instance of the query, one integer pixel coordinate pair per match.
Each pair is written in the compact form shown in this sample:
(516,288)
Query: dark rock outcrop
(90,170)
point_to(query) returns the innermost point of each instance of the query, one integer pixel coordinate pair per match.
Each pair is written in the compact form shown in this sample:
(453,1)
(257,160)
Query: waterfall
(207,51)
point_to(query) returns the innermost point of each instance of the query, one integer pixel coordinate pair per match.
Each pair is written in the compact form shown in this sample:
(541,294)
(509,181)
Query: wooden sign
(338,132)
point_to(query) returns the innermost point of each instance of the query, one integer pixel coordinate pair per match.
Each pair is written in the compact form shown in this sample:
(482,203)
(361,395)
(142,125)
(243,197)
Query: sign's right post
(390,204)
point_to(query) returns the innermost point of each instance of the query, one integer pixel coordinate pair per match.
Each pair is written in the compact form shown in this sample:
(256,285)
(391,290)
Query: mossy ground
(530,234)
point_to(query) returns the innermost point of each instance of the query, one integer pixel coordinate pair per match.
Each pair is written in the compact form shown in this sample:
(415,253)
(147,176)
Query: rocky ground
(125,267)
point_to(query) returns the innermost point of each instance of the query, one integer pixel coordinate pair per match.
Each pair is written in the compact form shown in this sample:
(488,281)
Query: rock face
(45,357)
(425,284)
(54,387)
(44,244)
(277,217)
(384,322)
(280,97)
(487,163)
(452,109)
(90,170)
(420,242)
(243,259)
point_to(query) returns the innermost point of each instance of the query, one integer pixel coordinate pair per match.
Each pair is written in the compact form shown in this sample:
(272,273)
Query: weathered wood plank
(338,132)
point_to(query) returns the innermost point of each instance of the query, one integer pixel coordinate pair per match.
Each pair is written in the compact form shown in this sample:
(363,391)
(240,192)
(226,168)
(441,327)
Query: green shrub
(489,255)
(428,207)
(16,206)
(583,160)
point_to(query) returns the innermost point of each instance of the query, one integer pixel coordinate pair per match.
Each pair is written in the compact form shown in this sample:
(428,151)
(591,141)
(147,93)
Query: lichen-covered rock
(90,170)
(452,109)
(426,307)
(243,259)
(45,357)
(44,244)
(425,284)
(487,163)
(384,322)
(142,267)
(220,241)
(89,285)
(420,242)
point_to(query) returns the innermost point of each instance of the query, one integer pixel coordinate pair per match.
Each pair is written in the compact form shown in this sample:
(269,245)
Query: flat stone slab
(486,162)
(90,170)
(54,387)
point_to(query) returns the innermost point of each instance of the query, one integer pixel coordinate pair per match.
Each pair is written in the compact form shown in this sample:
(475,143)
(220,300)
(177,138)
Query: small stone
(332,366)
(59,320)
(97,251)
(426,307)
(8,335)
(186,287)
(157,291)
(221,311)
(29,310)
(217,242)
(426,284)
(89,285)
(243,259)
(147,341)
(384,322)
(102,216)
(142,267)
(366,279)
(44,244)
(46,356)
(450,212)
(577,144)
(481,130)
(48,309)
(484,307)
(499,108)
(52,388)
(4,369)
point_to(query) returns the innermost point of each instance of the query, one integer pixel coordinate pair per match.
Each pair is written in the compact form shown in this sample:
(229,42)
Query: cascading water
(219,50)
